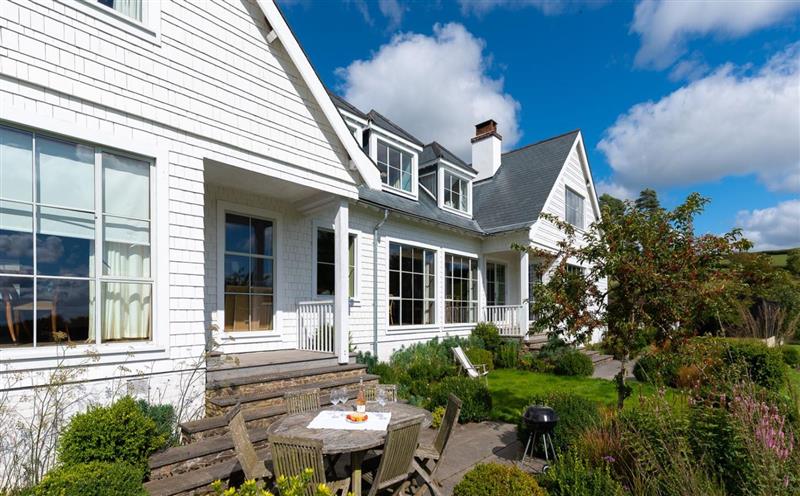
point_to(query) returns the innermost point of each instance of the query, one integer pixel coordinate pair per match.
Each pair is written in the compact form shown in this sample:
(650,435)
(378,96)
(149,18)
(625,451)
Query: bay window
(411,285)
(249,273)
(456,192)
(461,289)
(395,167)
(61,204)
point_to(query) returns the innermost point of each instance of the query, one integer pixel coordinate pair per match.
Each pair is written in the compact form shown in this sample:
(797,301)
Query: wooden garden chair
(252,466)
(396,467)
(473,371)
(432,453)
(304,400)
(292,455)
(389,390)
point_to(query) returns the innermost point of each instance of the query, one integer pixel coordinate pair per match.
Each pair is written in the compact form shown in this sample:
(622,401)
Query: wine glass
(335,397)
(380,395)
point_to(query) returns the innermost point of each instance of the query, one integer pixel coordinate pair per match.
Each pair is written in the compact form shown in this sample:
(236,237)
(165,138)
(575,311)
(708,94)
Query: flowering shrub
(287,486)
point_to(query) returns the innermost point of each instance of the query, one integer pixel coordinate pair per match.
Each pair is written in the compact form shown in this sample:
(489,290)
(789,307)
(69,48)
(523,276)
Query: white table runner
(333,419)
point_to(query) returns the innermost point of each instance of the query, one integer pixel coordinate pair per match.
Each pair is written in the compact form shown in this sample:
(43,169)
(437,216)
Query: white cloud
(774,227)
(547,7)
(689,69)
(615,190)
(666,26)
(392,10)
(727,123)
(437,87)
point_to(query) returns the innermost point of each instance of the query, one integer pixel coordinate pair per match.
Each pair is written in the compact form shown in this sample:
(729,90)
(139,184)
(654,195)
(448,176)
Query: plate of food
(356,418)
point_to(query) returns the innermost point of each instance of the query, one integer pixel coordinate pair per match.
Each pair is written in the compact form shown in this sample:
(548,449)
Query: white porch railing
(315,331)
(506,318)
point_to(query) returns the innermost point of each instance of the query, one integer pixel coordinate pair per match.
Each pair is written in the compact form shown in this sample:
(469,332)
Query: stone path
(609,369)
(480,443)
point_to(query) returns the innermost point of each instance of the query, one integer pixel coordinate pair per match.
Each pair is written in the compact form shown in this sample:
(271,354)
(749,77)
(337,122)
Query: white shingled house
(174,177)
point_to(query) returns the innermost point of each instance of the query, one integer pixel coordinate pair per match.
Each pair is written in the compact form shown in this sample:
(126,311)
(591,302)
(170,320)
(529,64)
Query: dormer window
(395,166)
(456,192)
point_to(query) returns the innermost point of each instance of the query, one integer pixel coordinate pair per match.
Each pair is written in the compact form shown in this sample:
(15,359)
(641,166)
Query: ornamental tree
(647,278)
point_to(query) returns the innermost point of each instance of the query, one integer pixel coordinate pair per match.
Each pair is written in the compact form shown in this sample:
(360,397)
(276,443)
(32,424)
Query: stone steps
(281,381)
(235,365)
(258,381)
(263,399)
(534,343)
(597,357)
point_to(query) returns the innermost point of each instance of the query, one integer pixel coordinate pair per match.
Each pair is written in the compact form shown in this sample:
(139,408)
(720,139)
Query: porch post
(481,288)
(523,292)
(341,297)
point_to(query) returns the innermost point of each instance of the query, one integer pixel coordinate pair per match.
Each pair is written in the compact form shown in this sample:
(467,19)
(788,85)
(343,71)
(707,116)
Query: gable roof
(385,123)
(515,195)
(434,150)
(367,170)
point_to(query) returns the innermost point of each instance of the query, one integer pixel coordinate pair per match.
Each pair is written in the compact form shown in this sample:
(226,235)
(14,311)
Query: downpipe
(375,282)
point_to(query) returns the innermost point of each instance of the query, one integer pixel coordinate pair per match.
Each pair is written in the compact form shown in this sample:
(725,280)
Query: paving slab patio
(484,442)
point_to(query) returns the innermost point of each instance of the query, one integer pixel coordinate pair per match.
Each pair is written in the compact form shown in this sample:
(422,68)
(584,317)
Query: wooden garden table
(339,441)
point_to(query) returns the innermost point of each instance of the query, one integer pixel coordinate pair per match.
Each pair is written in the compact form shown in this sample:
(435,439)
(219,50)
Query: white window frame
(404,148)
(356,268)
(476,296)
(274,334)
(434,325)
(157,341)
(581,211)
(494,282)
(446,169)
(148,29)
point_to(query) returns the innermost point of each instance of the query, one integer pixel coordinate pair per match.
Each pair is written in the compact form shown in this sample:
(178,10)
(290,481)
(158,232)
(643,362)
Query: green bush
(532,363)
(487,332)
(164,418)
(417,368)
(507,356)
(575,415)
(494,479)
(476,400)
(571,475)
(437,415)
(368,359)
(762,364)
(791,356)
(575,363)
(714,436)
(116,433)
(480,356)
(91,479)
(657,367)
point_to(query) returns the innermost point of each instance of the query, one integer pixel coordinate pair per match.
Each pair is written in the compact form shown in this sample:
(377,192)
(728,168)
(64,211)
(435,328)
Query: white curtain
(130,8)
(127,306)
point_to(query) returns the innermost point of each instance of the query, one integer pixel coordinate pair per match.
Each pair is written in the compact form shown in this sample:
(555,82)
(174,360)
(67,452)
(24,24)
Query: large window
(495,284)
(249,273)
(395,167)
(574,213)
(456,192)
(326,263)
(61,204)
(461,289)
(411,285)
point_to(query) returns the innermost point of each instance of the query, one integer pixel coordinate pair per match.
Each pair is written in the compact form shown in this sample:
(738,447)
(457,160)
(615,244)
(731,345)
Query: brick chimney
(486,149)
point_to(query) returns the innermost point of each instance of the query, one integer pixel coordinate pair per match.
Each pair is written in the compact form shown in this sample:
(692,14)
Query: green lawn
(512,389)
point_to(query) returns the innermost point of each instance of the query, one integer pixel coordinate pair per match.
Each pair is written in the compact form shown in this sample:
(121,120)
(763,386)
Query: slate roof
(426,208)
(345,105)
(515,195)
(385,123)
(434,150)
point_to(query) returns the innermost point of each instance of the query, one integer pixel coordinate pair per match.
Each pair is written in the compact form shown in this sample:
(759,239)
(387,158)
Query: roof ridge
(577,130)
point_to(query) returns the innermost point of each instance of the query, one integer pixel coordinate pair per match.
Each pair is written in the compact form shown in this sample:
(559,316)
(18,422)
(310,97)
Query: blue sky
(680,96)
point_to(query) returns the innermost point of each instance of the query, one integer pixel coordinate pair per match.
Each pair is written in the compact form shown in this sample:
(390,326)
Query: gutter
(375,282)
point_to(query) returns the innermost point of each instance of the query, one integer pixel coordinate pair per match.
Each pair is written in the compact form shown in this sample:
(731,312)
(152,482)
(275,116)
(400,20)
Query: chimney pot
(486,127)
